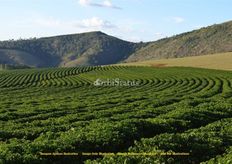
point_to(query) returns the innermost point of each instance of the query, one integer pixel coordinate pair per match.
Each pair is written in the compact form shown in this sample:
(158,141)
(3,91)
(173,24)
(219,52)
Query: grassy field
(169,110)
(221,61)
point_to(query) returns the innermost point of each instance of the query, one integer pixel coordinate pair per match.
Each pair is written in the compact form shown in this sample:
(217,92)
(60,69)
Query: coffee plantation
(171,110)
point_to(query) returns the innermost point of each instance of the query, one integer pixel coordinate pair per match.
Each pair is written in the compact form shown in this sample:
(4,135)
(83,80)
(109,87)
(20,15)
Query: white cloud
(94,22)
(178,19)
(105,3)
(84,2)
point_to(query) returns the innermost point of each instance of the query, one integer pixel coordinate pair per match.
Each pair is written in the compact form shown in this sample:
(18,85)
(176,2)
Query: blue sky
(133,20)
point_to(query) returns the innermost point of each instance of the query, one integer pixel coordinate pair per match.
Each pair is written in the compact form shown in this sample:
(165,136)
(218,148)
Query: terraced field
(171,110)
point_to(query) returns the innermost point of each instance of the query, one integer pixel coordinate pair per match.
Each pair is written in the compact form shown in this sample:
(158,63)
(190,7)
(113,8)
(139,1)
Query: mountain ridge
(98,48)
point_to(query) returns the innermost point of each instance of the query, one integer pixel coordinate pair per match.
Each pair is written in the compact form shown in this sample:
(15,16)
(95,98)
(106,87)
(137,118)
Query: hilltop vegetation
(97,48)
(60,110)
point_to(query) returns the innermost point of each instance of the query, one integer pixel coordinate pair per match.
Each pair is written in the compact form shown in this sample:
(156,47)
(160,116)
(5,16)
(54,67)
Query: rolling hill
(97,48)
(94,48)
(208,40)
